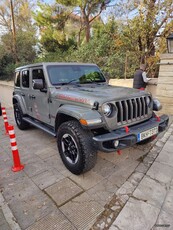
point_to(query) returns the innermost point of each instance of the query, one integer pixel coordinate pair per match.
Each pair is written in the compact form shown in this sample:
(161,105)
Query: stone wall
(165,83)
(129,83)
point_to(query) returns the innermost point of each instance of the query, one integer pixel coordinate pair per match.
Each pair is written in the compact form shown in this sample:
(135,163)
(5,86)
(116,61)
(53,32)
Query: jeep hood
(90,93)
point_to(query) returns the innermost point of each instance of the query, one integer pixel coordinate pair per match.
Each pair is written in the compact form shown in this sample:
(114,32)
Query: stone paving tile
(136,215)
(26,201)
(54,221)
(82,211)
(165,157)
(135,178)
(132,153)
(168,202)
(63,191)
(169,145)
(46,152)
(55,162)
(161,172)
(164,221)
(104,167)
(126,189)
(150,191)
(123,172)
(29,210)
(18,186)
(142,168)
(2,218)
(102,192)
(5,226)
(35,168)
(28,158)
(85,180)
(47,178)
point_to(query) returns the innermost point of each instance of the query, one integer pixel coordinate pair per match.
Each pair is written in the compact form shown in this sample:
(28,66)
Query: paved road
(45,195)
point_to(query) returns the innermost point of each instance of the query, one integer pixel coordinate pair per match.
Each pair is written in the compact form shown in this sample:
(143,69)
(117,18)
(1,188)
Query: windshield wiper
(69,82)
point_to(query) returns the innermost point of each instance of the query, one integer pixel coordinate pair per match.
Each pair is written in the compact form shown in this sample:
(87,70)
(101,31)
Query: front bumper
(126,139)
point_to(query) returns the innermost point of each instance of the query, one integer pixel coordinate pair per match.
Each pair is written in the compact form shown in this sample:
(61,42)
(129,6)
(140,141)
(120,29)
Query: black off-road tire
(79,147)
(18,114)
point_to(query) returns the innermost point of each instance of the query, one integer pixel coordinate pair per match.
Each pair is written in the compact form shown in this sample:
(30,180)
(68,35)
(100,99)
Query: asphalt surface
(129,191)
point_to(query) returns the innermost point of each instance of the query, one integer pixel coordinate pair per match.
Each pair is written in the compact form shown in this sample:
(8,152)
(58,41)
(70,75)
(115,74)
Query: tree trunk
(87,31)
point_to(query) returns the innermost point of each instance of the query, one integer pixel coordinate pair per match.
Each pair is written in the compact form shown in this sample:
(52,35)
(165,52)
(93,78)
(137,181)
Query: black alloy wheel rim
(70,148)
(17,116)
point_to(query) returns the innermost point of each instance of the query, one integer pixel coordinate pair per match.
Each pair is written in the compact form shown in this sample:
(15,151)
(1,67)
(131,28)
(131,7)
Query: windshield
(65,74)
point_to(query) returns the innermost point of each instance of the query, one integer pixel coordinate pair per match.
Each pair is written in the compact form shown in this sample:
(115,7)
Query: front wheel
(18,114)
(76,147)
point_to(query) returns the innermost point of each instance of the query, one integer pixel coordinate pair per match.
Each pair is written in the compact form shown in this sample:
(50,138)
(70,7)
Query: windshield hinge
(49,100)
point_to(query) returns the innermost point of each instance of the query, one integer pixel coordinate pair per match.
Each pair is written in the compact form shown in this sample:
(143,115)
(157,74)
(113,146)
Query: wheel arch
(61,118)
(16,99)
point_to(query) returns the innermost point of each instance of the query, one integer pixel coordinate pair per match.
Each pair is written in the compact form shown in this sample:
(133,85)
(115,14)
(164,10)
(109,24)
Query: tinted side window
(25,78)
(17,79)
(38,74)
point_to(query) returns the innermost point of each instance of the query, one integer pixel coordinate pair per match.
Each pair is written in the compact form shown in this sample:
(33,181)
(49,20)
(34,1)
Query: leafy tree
(144,29)
(51,20)
(25,34)
(87,10)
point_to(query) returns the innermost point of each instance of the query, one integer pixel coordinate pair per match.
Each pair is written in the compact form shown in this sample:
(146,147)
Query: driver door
(39,99)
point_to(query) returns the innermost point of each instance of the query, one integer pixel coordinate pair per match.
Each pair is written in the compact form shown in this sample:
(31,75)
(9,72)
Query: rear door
(39,98)
(25,89)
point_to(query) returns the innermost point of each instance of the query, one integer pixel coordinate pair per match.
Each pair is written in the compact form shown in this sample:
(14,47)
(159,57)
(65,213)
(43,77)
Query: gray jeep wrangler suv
(73,102)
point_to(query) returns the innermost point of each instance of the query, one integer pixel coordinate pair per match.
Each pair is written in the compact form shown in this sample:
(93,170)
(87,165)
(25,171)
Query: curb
(10,219)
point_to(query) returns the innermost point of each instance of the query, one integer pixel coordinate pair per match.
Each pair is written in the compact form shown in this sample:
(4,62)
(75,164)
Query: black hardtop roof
(53,63)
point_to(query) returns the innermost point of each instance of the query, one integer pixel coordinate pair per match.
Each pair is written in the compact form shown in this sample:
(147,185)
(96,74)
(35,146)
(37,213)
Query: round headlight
(156,105)
(107,109)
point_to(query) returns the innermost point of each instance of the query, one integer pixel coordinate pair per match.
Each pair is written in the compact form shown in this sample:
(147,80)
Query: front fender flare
(78,112)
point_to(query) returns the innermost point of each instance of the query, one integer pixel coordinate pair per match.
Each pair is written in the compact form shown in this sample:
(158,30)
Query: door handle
(23,94)
(31,96)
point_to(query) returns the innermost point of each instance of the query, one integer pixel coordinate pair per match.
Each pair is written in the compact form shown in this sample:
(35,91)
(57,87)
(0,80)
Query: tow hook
(126,129)
(157,118)
(119,152)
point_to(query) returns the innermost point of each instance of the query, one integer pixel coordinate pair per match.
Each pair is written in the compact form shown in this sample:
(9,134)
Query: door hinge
(49,100)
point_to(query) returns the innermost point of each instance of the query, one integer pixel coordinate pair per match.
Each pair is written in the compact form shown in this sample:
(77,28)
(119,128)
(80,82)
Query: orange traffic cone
(4,114)
(16,158)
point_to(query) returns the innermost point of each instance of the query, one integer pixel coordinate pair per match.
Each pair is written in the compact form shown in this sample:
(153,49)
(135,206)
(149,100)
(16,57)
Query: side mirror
(38,84)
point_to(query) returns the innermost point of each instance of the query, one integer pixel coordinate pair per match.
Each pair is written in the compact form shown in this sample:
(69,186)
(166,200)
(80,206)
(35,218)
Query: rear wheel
(18,114)
(76,147)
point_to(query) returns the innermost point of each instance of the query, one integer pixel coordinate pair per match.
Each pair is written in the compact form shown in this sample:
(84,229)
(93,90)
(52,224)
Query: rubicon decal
(71,98)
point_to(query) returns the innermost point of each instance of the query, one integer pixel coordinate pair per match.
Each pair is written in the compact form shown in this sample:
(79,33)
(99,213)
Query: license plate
(148,133)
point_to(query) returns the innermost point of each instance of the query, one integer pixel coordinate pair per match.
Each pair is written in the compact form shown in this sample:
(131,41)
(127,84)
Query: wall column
(165,83)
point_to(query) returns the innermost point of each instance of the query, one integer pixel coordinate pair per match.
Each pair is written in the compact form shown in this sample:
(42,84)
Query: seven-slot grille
(131,109)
